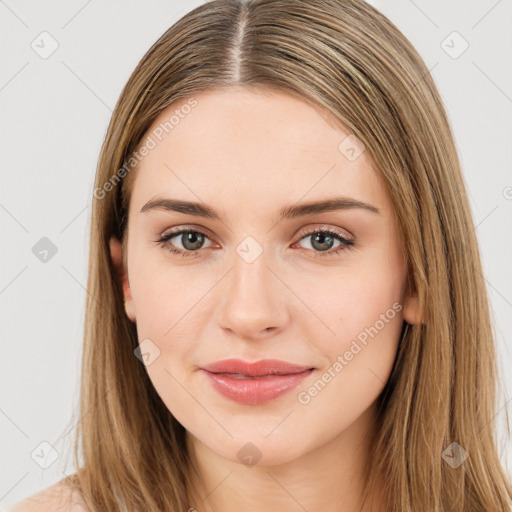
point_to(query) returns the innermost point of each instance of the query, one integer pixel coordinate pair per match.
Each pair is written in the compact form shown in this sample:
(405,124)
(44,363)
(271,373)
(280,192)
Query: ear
(116,253)
(412,313)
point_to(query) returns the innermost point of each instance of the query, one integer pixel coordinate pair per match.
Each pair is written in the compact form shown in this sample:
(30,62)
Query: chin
(257,449)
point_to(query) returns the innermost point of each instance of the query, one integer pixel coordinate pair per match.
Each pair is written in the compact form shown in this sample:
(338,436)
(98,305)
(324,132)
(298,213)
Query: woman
(286,305)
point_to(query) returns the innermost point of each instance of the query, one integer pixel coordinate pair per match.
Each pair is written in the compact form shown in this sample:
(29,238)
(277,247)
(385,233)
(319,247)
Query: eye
(191,242)
(323,240)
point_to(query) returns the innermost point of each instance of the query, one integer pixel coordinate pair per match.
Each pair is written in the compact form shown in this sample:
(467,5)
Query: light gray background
(54,115)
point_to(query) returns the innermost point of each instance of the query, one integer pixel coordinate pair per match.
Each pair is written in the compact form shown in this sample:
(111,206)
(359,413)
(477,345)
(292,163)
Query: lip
(255,383)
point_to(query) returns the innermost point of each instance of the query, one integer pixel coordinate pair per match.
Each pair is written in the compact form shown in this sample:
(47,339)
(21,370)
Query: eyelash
(345,243)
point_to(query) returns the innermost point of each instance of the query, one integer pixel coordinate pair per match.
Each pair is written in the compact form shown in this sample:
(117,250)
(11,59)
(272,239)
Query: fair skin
(247,154)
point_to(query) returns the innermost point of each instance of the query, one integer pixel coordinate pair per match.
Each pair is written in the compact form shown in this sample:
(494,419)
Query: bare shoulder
(57,498)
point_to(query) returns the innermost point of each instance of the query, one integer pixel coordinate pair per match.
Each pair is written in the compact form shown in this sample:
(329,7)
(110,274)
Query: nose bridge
(253,299)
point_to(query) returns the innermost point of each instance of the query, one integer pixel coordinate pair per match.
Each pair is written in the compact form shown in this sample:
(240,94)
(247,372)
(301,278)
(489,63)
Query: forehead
(264,147)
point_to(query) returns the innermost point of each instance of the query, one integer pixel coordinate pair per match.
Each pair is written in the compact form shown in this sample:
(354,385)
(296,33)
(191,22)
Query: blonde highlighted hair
(349,59)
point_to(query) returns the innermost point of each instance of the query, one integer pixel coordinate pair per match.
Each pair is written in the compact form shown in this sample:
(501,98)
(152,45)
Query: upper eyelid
(169,233)
(322,227)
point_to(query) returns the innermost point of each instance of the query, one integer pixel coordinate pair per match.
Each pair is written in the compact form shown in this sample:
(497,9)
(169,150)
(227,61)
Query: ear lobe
(116,254)
(412,314)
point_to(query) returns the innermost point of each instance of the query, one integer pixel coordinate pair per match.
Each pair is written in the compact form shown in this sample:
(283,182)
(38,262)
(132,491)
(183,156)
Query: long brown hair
(347,58)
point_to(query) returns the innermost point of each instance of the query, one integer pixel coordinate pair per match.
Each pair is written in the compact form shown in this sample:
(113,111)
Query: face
(254,272)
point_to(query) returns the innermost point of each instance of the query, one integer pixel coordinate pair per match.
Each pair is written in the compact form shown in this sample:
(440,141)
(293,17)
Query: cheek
(354,304)
(363,309)
(167,307)
(367,320)
(164,297)
(173,304)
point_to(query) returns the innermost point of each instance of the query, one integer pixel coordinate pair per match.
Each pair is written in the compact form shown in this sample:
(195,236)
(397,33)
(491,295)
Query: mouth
(255,383)
(264,368)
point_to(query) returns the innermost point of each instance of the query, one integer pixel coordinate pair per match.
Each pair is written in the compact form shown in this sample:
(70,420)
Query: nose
(254,302)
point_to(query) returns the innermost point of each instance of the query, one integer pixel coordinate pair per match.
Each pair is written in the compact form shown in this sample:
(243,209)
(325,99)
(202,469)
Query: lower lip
(258,390)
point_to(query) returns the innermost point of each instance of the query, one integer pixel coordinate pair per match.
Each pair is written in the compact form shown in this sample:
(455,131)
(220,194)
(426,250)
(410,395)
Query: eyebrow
(288,212)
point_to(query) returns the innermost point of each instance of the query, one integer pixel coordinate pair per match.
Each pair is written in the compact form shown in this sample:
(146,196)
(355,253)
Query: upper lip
(256,369)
